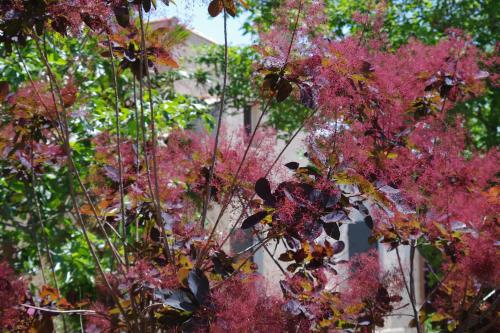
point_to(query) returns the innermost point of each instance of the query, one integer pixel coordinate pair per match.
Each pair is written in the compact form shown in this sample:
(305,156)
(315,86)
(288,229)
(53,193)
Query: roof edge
(192,31)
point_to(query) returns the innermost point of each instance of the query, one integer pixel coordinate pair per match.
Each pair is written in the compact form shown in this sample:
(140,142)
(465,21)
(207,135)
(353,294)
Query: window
(357,237)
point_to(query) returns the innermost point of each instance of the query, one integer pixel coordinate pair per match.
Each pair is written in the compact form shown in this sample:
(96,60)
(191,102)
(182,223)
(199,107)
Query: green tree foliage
(18,219)
(244,89)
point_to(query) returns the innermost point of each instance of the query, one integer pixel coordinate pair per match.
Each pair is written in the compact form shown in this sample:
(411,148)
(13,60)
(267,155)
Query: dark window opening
(243,240)
(247,119)
(357,235)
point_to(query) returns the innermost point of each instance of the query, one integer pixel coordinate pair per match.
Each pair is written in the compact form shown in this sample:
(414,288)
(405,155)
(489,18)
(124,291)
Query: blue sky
(194,14)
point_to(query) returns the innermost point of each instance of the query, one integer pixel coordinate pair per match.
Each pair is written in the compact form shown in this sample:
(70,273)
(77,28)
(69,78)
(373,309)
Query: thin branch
(264,110)
(145,148)
(137,129)
(263,243)
(155,194)
(72,171)
(38,210)
(232,188)
(63,137)
(64,128)
(276,160)
(412,286)
(266,248)
(408,289)
(39,254)
(272,257)
(217,133)
(468,321)
(120,165)
(33,186)
(240,266)
(294,33)
(151,306)
(251,247)
(440,283)
(118,152)
(137,148)
(80,312)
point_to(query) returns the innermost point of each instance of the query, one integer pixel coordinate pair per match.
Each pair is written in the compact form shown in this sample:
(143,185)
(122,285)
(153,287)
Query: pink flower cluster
(241,305)
(30,136)
(12,294)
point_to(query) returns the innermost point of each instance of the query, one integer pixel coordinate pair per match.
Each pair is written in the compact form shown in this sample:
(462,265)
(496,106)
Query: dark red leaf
(367,67)
(253,219)
(146,4)
(60,24)
(222,263)
(230,7)
(284,90)
(292,165)
(155,234)
(44,325)
(286,256)
(300,255)
(215,7)
(92,21)
(122,15)
(198,284)
(4,90)
(369,221)
(270,81)
(292,267)
(332,230)
(263,190)
(106,54)
(166,59)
